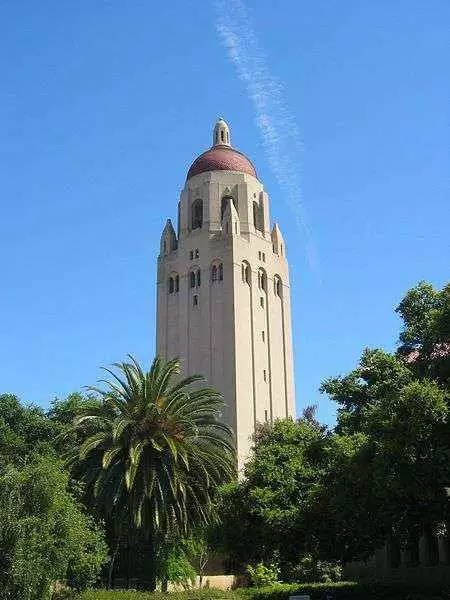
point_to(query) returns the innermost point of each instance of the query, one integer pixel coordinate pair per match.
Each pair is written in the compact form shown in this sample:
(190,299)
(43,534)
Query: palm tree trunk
(152,576)
(112,562)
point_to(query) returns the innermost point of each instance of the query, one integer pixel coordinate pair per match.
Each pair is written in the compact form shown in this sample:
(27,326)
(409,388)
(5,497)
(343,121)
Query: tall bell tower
(223,298)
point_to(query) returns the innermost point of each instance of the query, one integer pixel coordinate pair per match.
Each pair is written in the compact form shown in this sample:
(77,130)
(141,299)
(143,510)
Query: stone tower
(223,300)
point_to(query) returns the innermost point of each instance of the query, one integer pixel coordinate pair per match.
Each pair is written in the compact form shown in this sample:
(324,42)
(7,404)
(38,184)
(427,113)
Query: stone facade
(223,296)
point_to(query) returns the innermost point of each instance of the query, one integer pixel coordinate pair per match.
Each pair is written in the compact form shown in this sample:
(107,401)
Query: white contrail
(280,134)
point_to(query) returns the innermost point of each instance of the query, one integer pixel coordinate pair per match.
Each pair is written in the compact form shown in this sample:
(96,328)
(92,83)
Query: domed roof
(221,157)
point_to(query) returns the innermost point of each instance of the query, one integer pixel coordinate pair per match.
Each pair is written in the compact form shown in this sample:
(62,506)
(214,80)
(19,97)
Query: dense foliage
(154,454)
(333,591)
(312,499)
(148,454)
(45,535)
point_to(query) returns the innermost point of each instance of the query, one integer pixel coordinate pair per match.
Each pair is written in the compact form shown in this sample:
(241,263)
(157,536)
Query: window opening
(214,273)
(264,256)
(196,253)
(197,214)
(223,205)
(259,254)
(191,255)
(221,272)
(192,279)
(257,216)
(265,375)
(198,278)
(246,274)
(261,301)
(262,281)
(278,287)
(263,335)
(195,300)
(170,285)
(177,283)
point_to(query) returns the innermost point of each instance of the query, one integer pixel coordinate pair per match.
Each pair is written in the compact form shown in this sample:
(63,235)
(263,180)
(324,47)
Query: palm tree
(155,451)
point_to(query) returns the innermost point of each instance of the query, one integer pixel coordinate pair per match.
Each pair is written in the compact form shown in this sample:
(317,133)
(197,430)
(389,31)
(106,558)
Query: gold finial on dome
(221,135)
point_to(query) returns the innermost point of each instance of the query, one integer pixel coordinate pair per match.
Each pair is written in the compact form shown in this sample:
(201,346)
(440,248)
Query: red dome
(221,158)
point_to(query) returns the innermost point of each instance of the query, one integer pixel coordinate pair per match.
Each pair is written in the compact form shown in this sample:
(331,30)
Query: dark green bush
(340,591)
(352,591)
(204,594)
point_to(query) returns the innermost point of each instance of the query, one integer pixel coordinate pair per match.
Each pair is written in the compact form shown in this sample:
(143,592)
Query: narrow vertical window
(248,275)
(266,416)
(278,287)
(198,278)
(196,253)
(263,335)
(192,279)
(264,282)
(259,254)
(197,214)
(264,256)
(261,301)
(214,273)
(191,254)
(177,283)
(170,285)
(195,300)
(265,375)
(221,272)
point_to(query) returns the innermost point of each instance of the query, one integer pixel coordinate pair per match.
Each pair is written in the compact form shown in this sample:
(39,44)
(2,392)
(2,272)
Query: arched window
(198,278)
(278,287)
(177,283)
(192,279)
(246,273)
(171,285)
(221,272)
(223,205)
(257,216)
(197,214)
(214,273)
(262,280)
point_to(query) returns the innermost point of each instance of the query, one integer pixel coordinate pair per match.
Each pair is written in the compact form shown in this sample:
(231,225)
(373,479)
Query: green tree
(156,453)
(388,462)
(24,431)
(45,534)
(263,516)
(425,338)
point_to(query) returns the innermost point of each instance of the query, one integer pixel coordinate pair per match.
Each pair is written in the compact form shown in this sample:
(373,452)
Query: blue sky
(104,105)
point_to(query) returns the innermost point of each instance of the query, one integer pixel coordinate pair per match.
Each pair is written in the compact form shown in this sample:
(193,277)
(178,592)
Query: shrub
(352,591)
(262,575)
(203,594)
(309,570)
(45,536)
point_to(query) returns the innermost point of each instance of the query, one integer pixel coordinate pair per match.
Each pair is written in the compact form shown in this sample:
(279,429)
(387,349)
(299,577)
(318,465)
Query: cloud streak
(276,124)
